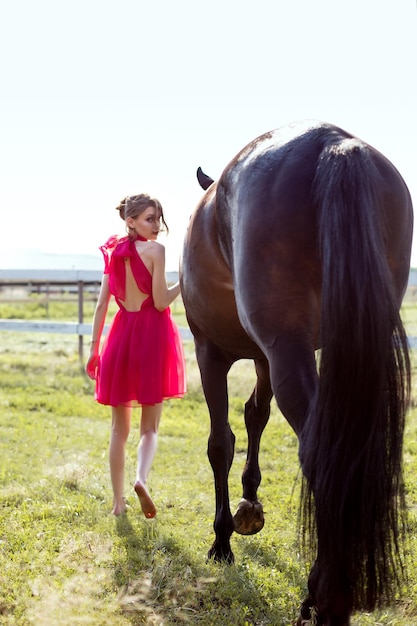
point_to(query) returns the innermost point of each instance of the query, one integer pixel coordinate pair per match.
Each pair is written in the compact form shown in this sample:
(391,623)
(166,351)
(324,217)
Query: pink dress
(142,359)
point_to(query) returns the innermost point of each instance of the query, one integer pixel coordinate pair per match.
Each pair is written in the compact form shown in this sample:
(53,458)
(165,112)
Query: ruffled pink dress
(142,359)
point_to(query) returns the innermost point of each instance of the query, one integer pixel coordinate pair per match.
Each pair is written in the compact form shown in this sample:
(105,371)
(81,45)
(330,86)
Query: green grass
(38,308)
(409,317)
(65,560)
(63,555)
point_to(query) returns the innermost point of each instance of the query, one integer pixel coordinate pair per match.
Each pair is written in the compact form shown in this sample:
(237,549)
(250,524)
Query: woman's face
(147,224)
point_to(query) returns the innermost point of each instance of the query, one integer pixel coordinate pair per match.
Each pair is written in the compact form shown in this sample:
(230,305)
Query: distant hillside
(36,260)
(33,259)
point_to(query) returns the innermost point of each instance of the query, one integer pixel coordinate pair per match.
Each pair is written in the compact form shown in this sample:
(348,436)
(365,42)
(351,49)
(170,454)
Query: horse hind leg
(334,611)
(249,517)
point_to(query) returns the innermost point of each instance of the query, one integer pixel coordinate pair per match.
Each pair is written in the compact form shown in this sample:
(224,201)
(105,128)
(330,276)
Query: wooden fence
(48,281)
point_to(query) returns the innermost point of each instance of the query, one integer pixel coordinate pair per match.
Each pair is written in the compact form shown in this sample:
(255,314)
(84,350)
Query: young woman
(141,362)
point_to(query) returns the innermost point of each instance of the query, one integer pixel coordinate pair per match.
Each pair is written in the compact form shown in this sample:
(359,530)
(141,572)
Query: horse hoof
(249,517)
(220,555)
(312,621)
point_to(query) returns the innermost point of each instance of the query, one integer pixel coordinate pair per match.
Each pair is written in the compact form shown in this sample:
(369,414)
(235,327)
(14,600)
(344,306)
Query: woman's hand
(91,367)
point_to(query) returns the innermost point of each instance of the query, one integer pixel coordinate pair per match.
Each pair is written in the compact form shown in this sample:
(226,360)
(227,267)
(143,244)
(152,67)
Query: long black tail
(353,458)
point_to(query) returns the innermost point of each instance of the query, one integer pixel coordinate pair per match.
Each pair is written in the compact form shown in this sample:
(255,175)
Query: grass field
(65,560)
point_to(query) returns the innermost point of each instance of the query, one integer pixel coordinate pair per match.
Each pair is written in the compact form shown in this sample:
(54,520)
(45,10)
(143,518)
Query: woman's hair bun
(121,208)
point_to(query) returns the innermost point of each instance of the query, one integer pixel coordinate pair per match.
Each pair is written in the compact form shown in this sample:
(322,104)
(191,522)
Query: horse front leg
(220,453)
(214,366)
(249,517)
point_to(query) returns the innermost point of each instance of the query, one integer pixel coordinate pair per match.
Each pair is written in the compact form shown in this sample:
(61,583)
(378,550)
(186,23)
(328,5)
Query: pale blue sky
(102,98)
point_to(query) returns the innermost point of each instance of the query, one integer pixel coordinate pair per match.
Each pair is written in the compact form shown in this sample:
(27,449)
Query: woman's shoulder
(155,250)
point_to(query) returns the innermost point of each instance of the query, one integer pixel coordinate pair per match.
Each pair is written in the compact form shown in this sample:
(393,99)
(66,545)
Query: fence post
(47,300)
(80,317)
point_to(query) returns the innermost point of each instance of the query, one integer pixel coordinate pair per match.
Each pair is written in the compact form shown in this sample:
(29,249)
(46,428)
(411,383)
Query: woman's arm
(98,325)
(161,293)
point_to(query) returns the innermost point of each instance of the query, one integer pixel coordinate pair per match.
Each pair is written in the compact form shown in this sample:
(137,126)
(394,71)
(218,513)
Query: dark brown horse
(304,243)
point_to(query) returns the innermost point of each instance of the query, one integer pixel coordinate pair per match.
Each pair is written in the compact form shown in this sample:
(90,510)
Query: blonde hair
(132,206)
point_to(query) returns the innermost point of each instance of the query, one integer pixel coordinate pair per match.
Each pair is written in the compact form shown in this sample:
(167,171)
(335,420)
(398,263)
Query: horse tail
(353,496)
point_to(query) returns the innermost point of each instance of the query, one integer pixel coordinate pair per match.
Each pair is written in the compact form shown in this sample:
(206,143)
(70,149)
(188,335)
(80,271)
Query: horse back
(252,264)
(268,213)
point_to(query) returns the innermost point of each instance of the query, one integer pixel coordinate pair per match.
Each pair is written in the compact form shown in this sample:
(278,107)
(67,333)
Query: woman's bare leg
(151,416)
(119,433)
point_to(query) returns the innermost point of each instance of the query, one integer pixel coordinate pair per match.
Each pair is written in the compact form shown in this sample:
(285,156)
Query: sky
(105,98)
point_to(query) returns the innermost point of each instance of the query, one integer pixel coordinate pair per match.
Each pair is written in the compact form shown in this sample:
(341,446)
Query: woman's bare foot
(119,508)
(145,499)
